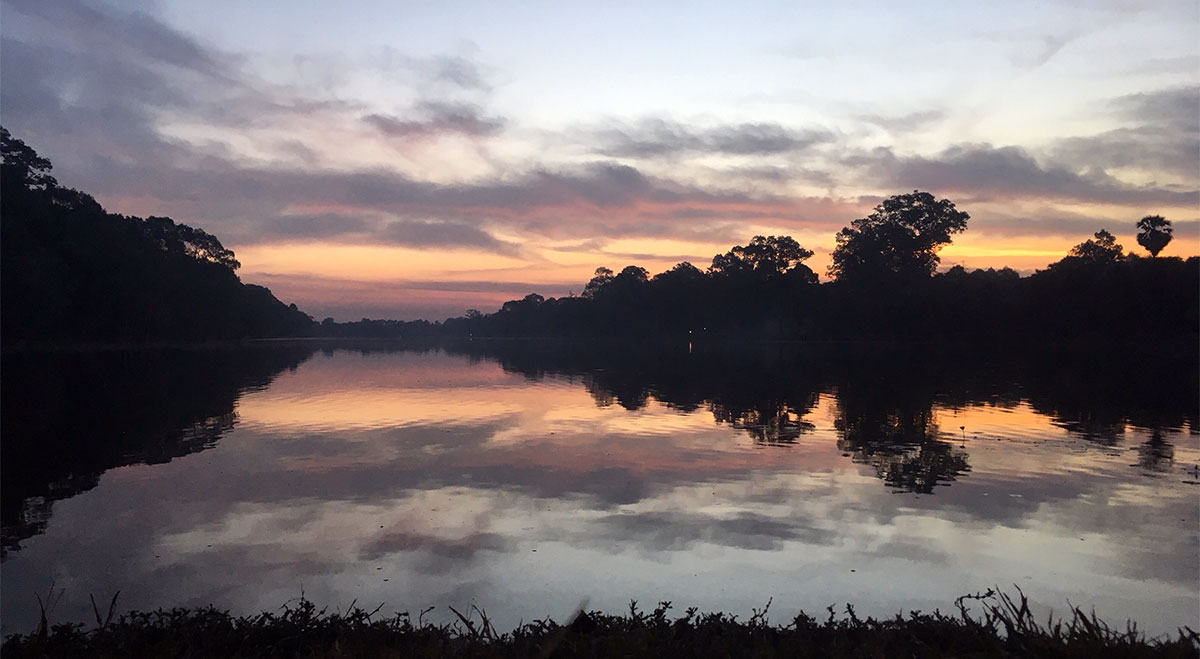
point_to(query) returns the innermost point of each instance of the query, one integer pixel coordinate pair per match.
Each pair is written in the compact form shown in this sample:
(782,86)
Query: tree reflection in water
(886,396)
(1156,454)
(68,417)
(901,444)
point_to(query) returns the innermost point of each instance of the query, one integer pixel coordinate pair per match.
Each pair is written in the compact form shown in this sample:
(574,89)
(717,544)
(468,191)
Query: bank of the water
(983,625)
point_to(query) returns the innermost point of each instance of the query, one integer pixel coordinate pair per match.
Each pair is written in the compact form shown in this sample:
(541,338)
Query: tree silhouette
(634,274)
(681,273)
(901,237)
(190,241)
(1154,233)
(603,276)
(69,270)
(22,165)
(1103,249)
(765,256)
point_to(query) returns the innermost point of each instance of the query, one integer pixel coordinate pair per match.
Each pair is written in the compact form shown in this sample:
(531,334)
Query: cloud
(247,204)
(69,98)
(90,85)
(675,531)
(1051,46)
(984,172)
(652,138)
(126,35)
(445,234)
(459,549)
(1164,139)
(1175,108)
(321,225)
(459,71)
(1050,221)
(438,119)
(904,123)
(1180,64)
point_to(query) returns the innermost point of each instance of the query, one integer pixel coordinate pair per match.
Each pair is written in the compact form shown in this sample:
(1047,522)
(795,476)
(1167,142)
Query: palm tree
(1155,233)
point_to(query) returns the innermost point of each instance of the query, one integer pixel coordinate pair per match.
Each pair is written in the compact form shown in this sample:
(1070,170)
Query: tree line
(885,285)
(70,271)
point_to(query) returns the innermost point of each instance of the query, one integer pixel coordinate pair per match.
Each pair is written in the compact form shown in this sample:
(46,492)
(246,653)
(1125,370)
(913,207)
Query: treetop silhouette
(1154,233)
(900,238)
(765,256)
(1104,248)
(71,271)
(22,165)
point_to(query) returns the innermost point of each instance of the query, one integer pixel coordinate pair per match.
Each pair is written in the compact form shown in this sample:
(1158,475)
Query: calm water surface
(528,478)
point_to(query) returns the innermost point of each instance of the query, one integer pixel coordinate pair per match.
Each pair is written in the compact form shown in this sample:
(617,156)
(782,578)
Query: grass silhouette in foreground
(1003,627)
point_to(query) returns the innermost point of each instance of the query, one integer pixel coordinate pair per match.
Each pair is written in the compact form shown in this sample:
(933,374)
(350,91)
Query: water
(527,477)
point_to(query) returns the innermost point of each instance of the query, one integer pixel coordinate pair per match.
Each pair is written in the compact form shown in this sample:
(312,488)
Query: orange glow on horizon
(313,274)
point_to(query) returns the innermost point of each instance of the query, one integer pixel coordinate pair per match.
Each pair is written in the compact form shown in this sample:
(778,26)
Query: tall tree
(1104,248)
(764,256)
(22,166)
(683,272)
(1154,233)
(901,237)
(602,278)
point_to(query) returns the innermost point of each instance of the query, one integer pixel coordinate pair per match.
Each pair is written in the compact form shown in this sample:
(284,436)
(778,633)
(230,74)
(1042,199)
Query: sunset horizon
(415,163)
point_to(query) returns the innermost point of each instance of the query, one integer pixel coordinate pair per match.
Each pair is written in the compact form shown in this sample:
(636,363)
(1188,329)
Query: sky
(415,159)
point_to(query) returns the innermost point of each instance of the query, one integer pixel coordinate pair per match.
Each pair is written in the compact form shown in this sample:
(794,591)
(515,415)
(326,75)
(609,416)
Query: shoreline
(988,624)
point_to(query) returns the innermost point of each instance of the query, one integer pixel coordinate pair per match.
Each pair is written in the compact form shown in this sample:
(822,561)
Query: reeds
(1003,627)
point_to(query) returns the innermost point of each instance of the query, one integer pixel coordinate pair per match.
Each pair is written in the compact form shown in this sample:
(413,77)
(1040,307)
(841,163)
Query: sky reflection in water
(431,479)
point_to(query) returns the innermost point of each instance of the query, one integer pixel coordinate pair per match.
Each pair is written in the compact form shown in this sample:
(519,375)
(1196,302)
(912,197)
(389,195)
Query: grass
(1003,626)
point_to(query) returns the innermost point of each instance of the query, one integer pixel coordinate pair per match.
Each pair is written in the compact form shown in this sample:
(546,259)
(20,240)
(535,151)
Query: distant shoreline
(984,345)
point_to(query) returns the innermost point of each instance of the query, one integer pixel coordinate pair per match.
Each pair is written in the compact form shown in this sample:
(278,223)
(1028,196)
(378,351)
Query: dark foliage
(764,258)
(1076,298)
(1154,233)
(886,289)
(900,238)
(70,271)
(1103,249)
(1003,627)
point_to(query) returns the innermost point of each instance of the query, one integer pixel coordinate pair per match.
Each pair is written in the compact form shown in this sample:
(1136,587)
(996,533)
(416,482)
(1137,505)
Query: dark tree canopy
(901,237)
(189,241)
(683,272)
(603,276)
(1104,248)
(765,256)
(527,303)
(1154,233)
(634,274)
(71,271)
(22,165)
